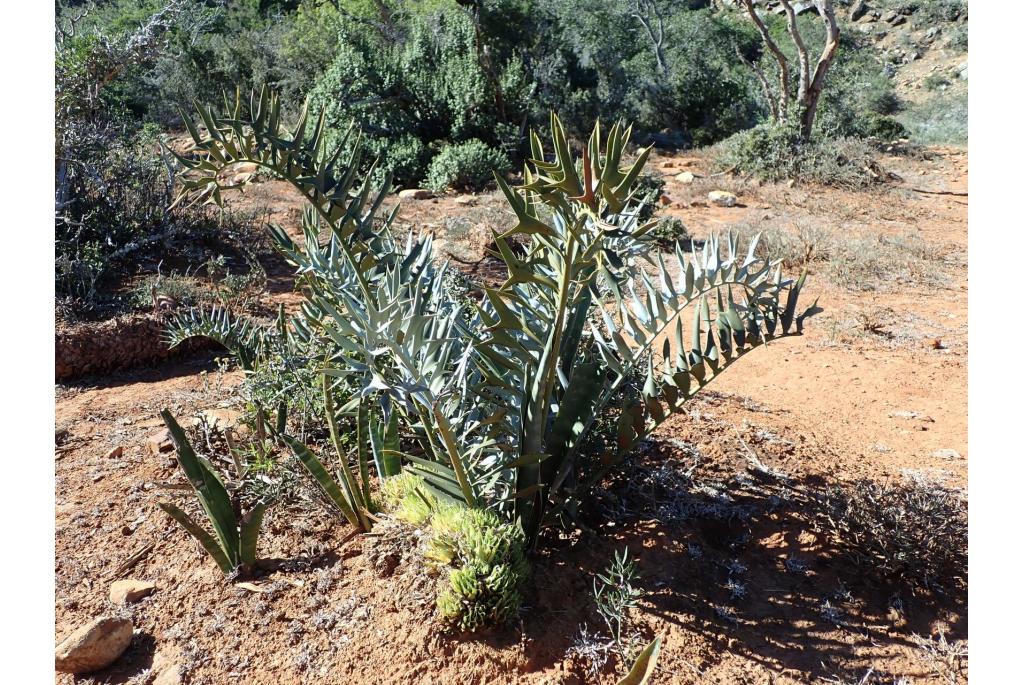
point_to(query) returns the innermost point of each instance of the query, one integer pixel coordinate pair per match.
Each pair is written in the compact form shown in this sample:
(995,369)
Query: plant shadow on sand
(733,559)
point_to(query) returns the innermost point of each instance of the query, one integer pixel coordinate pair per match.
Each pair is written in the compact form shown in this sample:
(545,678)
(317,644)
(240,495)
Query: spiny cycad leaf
(244,338)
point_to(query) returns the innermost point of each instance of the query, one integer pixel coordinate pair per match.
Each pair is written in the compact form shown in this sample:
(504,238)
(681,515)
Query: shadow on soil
(732,558)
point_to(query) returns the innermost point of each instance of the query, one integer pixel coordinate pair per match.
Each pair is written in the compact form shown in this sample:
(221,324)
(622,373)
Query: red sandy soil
(842,401)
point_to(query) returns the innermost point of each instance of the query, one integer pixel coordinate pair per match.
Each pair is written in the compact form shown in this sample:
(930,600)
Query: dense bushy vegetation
(911,534)
(114,184)
(418,77)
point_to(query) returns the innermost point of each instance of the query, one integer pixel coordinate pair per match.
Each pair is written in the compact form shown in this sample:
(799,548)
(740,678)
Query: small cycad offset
(233,542)
(496,402)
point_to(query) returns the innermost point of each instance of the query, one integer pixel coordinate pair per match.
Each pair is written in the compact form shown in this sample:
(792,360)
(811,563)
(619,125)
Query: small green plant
(465,166)
(184,289)
(374,437)
(885,128)
(669,232)
(648,190)
(479,556)
(935,81)
(407,499)
(233,545)
(485,563)
(615,594)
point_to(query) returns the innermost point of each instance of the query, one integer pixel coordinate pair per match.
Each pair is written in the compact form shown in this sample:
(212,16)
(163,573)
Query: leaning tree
(786,106)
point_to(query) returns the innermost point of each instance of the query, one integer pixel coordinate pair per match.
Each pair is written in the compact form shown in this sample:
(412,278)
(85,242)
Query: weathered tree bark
(647,13)
(810,84)
(801,51)
(780,58)
(828,55)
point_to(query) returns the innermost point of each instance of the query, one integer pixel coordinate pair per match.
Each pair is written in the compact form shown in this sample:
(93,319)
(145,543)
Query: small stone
(687,177)
(218,418)
(466,200)
(858,10)
(722,198)
(415,194)
(790,183)
(665,200)
(903,414)
(947,453)
(130,590)
(114,453)
(167,669)
(160,442)
(890,17)
(172,676)
(94,646)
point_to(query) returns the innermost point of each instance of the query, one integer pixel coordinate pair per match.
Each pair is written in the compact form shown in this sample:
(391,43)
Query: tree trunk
(809,105)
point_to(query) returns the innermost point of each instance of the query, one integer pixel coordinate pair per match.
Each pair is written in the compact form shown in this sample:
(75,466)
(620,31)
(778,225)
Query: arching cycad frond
(495,404)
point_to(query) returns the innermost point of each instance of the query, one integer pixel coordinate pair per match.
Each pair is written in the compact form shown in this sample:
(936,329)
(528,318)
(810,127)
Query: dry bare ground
(735,576)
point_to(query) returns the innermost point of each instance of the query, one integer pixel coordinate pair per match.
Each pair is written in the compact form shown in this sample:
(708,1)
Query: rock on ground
(722,198)
(95,645)
(415,194)
(160,442)
(130,590)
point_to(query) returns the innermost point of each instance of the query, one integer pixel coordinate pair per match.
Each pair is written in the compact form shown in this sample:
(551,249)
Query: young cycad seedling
(233,542)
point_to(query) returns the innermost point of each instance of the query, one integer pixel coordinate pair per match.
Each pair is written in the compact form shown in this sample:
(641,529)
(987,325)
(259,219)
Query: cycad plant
(233,542)
(496,404)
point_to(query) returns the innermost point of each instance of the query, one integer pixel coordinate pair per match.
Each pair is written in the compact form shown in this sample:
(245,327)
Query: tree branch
(801,51)
(657,41)
(828,55)
(780,57)
(772,105)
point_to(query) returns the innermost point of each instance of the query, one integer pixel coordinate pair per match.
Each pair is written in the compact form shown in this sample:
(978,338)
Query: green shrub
(881,101)
(649,188)
(776,153)
(935,81)
(594,62)
(668,232)
(885,128)
(466,166)
(420,84)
